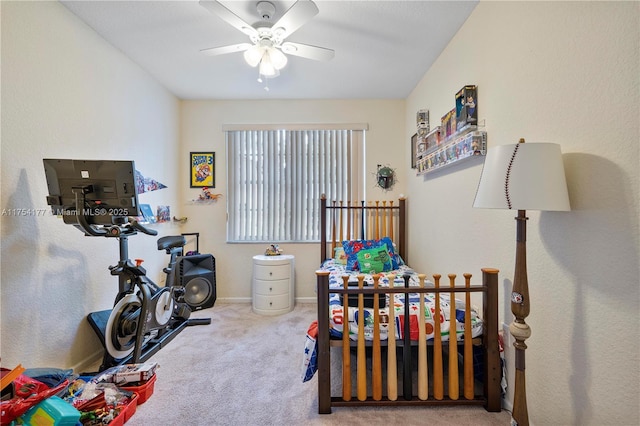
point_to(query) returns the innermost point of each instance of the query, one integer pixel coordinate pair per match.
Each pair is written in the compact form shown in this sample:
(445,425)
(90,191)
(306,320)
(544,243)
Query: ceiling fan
(268,46)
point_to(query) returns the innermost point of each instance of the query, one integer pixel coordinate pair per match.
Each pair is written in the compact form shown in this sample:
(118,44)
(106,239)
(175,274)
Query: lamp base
(518,328)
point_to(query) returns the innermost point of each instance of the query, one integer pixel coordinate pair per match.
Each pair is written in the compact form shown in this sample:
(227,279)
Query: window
(276,178)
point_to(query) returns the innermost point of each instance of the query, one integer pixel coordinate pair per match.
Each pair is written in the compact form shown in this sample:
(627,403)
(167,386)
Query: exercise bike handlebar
(89,229)
(139,227)
(106,231)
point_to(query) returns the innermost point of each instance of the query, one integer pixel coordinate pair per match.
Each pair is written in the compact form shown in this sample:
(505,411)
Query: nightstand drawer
(273,284)
(277,272)
(272,288)
(271,303)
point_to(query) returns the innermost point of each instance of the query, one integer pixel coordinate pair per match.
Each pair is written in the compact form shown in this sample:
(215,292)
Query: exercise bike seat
(171,241)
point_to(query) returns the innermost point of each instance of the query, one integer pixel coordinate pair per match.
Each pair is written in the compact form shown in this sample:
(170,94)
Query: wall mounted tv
(99,191)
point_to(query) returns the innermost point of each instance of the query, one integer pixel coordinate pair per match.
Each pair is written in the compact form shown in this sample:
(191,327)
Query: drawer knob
(270,288)
(270,303)
(270,273)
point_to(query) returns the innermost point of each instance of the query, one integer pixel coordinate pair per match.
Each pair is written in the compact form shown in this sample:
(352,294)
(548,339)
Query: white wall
(201,123)
(547,71)
(66,93)
(563,72)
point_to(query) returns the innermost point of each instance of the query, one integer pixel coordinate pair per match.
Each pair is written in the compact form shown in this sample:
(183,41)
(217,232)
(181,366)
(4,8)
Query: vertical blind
(276,177)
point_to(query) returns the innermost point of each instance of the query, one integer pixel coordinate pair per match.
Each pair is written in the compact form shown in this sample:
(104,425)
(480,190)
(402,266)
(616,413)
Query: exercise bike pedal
(182,311)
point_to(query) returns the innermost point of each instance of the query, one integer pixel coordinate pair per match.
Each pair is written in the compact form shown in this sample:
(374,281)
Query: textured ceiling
(382,48)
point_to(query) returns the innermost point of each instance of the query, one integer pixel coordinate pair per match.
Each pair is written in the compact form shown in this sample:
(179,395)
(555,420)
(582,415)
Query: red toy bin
(126,413)
(144,391)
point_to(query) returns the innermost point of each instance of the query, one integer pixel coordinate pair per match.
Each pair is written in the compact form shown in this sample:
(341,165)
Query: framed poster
(202,168)
(414,153)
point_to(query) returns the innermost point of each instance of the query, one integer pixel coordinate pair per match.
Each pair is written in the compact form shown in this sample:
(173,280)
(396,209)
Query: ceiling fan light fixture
(278,59)
(253,55)
(267,67)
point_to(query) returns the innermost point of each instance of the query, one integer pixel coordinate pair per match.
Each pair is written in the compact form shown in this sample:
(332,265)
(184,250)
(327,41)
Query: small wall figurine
(207,195)
(385,177)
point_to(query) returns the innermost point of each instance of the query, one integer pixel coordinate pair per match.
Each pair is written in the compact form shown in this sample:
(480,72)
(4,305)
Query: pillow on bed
(375,260)
(339,256)
(352,247)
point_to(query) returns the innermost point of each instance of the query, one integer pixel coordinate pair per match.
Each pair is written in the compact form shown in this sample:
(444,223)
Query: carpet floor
(245,369)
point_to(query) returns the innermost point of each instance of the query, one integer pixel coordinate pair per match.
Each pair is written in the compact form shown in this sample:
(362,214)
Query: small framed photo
(164,214)
(202,168)
(414,152)
(147,214)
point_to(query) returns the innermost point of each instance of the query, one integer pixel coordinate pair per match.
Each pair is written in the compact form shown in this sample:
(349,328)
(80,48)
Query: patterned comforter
(337,271)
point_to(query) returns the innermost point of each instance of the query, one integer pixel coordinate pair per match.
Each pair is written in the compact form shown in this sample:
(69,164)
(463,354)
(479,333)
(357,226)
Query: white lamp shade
(523,176)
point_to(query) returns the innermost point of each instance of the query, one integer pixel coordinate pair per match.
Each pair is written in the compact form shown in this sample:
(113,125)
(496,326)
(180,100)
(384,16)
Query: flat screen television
(101,191)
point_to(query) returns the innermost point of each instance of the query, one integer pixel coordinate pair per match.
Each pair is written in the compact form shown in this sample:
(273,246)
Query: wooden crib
(394,371)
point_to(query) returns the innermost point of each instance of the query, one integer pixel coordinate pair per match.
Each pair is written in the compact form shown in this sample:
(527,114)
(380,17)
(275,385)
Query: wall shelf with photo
(466,143)
(460,135)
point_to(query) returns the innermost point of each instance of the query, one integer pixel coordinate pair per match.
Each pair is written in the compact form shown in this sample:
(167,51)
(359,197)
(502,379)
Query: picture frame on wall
(414,145)
(147,214)
(202,169)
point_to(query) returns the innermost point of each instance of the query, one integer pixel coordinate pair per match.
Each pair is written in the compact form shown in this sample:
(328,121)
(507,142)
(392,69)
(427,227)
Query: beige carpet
(245,369)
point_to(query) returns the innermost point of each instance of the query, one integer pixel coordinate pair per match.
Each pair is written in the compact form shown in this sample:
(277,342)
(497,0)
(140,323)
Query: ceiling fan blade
(214,51)
(297,15)
(219,9)
(308,51)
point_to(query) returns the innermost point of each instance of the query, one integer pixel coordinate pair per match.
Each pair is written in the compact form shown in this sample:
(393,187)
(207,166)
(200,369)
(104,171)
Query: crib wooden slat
(370,221)
(377,221)
(468,348)
(454,385)
(392,372)
(362,360)
(407,382)
(333,229)
(340,225)
(346,352)
(391,220)
(385,231)
(376,366)
(438,379)
(363,222)
(423,371)
(354,213)
(349,215)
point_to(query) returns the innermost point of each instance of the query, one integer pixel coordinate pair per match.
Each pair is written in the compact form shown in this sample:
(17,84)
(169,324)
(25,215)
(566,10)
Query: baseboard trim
(248,299)
(90,364)
(507,405)
(234,299)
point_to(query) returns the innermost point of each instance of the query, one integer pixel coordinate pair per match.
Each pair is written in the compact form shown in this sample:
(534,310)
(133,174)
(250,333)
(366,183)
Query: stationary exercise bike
(145,316)
(99,197)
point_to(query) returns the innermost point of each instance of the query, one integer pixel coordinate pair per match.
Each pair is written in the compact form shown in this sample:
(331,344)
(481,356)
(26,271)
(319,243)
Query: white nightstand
(273,284)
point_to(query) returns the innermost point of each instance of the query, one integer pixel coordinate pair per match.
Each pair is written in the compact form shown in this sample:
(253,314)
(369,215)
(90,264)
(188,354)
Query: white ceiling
(382,48)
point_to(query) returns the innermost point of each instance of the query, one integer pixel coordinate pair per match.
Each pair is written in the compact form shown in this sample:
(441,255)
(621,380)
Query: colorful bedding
(337,271)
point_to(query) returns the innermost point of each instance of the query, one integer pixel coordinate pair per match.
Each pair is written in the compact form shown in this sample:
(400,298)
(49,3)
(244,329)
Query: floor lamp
(522,176)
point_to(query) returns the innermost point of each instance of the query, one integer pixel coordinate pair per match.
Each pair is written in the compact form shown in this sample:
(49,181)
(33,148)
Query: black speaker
(197,274)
